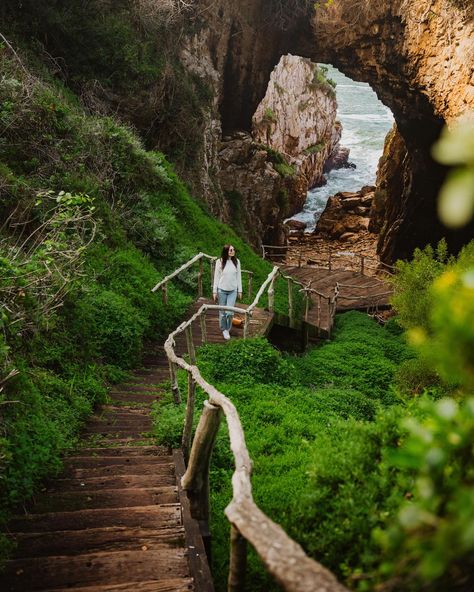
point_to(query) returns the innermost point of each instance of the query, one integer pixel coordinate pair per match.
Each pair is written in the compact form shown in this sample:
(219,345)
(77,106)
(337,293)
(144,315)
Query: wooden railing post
(300,256)
(330,260)
(202,321)
(271,296)
(212,274)
(319,315)
(189,417)
(201,270)
(362,264)
(238,561)
(246,324)
(307,296)
(196,479)
(164,292)
(190,344)
(329,317)
(290,302)
(174,383)
(250,285)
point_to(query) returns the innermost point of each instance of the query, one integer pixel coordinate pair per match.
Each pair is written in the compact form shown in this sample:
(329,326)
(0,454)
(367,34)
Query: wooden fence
(282,556)
(199,258)
(331,259)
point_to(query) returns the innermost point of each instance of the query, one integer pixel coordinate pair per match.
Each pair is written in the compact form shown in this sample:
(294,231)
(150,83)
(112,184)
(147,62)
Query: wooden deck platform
(260,324)
(356,292)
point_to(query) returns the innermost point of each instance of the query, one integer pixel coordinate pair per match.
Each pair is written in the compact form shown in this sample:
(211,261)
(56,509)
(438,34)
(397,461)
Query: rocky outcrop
(346,214)
(258,198)
(391,172)
(297,117)
(418,56)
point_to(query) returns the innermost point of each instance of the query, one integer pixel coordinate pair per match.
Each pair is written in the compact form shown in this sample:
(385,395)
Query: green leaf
(456,200)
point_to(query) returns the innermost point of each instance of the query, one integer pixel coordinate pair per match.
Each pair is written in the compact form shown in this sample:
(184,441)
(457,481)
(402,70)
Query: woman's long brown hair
(225,256)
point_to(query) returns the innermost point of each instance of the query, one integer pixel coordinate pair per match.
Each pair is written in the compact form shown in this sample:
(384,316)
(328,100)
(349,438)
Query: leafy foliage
(313,433)
(456,148)
(432,539)
(249,361)
(94,221)
(412,299)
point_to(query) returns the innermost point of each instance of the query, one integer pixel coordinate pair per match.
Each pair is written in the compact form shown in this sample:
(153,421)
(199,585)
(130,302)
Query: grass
(313,426)
(146,224)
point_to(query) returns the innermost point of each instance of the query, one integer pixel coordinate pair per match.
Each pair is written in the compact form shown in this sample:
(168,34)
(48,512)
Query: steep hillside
(89,222)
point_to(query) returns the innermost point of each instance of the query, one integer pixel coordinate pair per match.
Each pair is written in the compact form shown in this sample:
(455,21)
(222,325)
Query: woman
(227,285)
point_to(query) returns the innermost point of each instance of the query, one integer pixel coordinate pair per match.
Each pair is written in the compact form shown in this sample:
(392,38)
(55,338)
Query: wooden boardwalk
(260,324)
(116,519)
(356,292)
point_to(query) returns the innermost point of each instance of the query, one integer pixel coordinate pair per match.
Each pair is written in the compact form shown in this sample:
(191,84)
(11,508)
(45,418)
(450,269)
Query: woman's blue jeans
(226,298)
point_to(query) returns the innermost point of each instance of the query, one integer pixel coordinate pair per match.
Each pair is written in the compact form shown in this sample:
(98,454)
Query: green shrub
(168,421)
(351,491)
(430,545)
(245,361)
(414,376)
(412,298)
(112,328)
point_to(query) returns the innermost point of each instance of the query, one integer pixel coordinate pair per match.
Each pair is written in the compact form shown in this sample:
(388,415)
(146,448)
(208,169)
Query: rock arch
(418,57)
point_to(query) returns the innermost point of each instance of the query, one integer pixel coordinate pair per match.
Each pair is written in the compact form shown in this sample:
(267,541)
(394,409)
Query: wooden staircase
(116,519)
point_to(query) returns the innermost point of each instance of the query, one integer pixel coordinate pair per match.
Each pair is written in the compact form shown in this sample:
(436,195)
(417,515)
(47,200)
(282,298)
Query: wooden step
(104,441)
(138,428)
(110,567)
(112,482)
(120,470)
(174,585)
(121,414)
(148,389)
(126,451)
(150,378)
(69,501)
(143,517)
(91,540)
(129,397)
(83,462)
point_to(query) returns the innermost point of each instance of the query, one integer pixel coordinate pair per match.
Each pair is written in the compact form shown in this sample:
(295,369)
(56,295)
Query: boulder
(296,225)
(337,160)
(348,237)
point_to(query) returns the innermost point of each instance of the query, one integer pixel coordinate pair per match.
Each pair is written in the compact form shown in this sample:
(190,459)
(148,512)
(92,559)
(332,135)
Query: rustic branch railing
(331,304)
(365,261)
(282,556)
(200,257)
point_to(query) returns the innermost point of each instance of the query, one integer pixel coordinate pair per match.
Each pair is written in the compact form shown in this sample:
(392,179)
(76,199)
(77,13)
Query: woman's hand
(214,296)
(240,295)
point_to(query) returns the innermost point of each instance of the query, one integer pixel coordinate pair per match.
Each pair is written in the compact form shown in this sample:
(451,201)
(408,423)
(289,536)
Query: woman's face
(231,251)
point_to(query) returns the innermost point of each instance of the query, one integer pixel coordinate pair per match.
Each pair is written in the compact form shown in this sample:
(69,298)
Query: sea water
(365,122)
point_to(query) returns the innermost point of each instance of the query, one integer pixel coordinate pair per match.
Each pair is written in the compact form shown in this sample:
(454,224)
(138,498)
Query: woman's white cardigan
(229,278)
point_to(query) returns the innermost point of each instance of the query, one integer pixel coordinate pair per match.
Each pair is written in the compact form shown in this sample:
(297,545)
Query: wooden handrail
(365,260)
(282,556)
(199,257)
(180,269)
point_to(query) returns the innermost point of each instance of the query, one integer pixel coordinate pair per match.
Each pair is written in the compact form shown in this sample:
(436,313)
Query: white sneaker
(226,334)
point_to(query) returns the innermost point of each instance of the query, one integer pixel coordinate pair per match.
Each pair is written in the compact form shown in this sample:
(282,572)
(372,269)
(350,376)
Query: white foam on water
(365,124)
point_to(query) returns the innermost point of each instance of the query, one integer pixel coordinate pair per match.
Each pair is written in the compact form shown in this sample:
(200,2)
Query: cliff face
(417,56)
(181,85)
(259,192)
(297,117)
